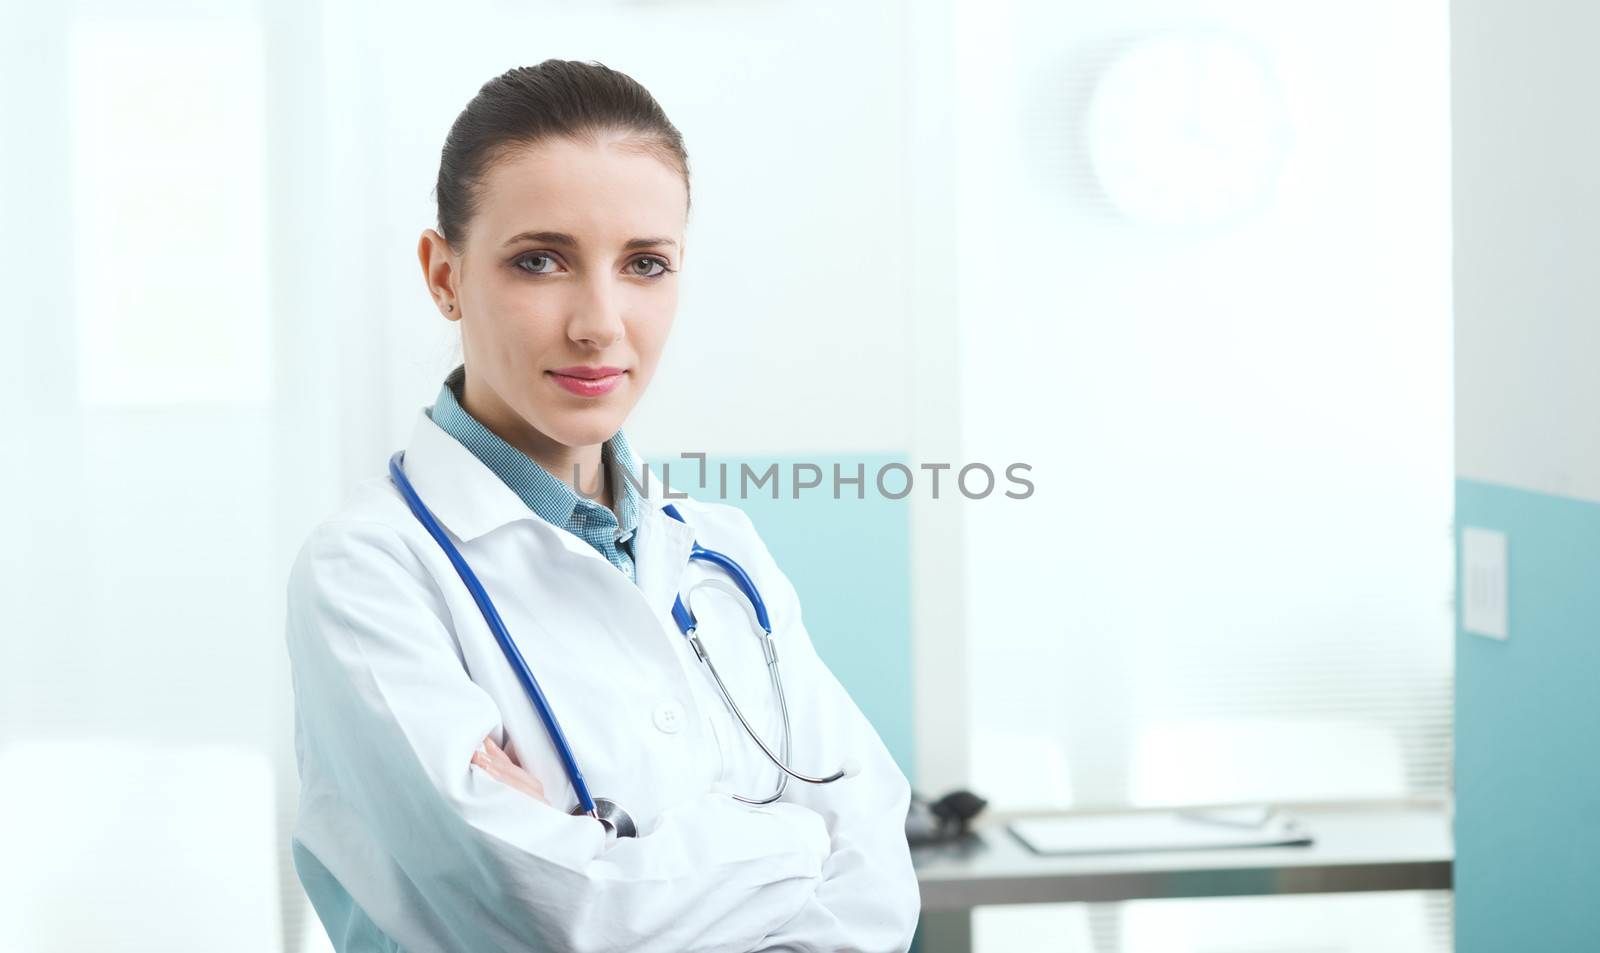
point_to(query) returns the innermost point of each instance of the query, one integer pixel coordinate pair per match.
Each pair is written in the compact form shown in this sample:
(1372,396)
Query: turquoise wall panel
(1527,725)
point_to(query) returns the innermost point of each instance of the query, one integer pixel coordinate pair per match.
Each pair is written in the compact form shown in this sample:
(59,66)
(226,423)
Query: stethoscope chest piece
(616,821)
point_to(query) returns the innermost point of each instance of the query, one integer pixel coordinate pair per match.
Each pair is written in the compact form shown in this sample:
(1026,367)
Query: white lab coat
(397,680)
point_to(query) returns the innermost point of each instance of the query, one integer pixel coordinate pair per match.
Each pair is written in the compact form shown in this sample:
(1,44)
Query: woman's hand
(502,768)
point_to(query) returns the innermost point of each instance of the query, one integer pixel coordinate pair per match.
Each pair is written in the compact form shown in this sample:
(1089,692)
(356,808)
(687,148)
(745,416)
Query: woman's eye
(657,263)
(525,259)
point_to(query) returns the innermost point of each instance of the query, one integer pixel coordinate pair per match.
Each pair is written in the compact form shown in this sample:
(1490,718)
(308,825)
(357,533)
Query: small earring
(449,307)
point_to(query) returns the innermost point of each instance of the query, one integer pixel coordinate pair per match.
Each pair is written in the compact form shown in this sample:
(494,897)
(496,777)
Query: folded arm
(393,721)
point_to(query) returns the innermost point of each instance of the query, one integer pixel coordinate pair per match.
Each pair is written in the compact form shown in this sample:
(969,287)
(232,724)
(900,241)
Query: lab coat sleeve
(390,718)
(869,899)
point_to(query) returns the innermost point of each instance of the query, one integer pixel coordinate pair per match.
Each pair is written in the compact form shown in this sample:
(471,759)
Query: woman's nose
(596,321)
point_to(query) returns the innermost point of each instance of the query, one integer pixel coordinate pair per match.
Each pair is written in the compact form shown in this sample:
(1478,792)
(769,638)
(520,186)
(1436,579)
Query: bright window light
(169,211)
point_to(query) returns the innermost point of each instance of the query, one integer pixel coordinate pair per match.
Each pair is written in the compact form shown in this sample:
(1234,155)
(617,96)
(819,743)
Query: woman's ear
(438,271)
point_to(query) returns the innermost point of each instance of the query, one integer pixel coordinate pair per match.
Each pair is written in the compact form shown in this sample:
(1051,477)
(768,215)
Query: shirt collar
(544,493)
(470,500)
(462,493)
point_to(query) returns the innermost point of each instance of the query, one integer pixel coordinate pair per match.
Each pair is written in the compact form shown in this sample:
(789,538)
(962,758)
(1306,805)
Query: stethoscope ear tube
(586,803)
(771,654)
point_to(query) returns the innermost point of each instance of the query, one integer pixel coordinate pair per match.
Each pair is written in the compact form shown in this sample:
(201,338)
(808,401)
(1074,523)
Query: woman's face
(565,287)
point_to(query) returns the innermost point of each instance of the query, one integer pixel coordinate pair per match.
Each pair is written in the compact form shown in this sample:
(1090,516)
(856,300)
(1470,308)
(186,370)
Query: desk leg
(944,931)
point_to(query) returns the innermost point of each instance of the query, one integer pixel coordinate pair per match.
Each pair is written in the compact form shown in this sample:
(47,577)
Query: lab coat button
(669,717)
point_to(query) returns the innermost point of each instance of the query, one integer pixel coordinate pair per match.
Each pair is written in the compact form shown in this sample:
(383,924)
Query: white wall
(1527,333)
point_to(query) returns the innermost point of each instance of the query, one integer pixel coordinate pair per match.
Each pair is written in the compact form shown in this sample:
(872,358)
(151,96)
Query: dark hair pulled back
(529,104)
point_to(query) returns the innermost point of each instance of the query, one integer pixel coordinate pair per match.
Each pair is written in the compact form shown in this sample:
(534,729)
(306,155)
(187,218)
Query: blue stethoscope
(617,821)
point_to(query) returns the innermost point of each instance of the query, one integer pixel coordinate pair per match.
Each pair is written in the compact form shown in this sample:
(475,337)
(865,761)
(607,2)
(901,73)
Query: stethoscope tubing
(681,615)
(492,616)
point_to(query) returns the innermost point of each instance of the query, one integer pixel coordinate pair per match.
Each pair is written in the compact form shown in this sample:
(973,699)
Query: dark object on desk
(947,819)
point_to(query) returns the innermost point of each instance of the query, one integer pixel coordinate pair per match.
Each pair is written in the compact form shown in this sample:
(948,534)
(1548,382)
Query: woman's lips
(587,381)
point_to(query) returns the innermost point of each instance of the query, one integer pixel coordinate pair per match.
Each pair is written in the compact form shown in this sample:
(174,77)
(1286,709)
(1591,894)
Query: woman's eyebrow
(562,238)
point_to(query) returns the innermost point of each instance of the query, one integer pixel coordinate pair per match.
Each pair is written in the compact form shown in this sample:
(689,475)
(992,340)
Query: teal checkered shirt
(611,534)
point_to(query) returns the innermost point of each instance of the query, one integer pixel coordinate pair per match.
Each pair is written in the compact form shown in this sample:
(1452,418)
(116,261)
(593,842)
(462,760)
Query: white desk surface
(1405,846)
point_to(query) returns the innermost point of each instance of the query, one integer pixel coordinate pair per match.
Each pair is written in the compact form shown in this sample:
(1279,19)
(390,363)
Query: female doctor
(440,809)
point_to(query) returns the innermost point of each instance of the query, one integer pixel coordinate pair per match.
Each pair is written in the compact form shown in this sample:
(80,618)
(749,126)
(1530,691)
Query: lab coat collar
(461,491)
(661,552)
(471,500)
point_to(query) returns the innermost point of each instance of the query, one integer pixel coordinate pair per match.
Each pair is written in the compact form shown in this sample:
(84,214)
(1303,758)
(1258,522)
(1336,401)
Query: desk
(1358,847)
